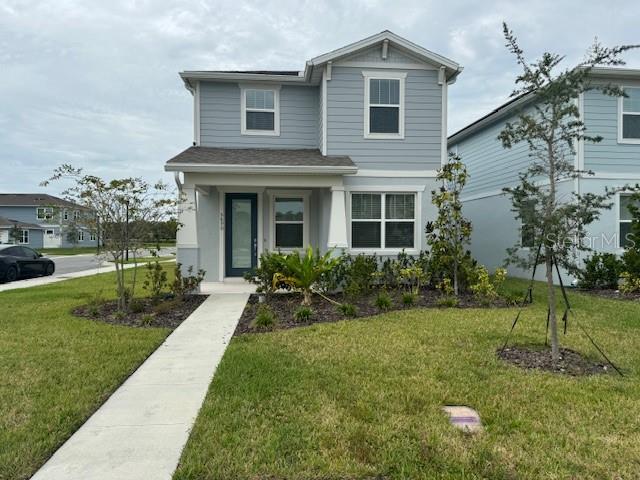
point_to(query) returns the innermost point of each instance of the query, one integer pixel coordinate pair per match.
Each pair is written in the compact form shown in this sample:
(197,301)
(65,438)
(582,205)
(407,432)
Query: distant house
(41,221)
(340,155)
(615,163)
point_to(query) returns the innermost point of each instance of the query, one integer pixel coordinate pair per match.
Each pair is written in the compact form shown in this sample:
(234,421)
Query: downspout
(442,80)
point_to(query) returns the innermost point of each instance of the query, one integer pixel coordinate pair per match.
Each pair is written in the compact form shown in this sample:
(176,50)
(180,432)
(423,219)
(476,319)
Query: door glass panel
(241,233)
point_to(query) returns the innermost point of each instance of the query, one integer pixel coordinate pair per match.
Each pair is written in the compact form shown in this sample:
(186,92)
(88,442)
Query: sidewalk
(37,281)
(140,431)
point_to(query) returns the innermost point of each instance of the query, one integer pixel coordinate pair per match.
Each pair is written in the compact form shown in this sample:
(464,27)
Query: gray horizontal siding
(419,150)
(491,167)
(601,118)
(220,118)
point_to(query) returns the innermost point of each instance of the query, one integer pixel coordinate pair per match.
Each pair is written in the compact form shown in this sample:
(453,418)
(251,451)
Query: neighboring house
(615,162)
(42,221)
(341,155)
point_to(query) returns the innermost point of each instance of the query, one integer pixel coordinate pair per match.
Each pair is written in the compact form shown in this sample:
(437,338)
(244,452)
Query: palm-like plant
(303,271)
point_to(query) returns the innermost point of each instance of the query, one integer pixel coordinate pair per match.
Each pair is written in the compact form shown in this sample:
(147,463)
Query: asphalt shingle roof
(32,200)
(259,156)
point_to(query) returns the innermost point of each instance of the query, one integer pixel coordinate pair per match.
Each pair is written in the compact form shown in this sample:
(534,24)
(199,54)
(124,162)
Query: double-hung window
(289,214)
(260,111)
(44,213)
(24,237)
(383,221)
(630,116)
(81,235)
(92,236)
(527,229)
(384,105)
(625,218)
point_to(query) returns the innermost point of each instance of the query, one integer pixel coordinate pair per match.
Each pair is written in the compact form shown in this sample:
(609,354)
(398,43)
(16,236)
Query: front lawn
(362,399)
(57,369)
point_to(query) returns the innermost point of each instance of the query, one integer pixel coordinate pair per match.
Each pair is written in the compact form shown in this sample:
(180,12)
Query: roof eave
(258,169)
(189,76)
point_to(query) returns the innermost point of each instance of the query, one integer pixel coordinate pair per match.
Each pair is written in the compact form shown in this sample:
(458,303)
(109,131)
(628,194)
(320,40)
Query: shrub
(630,283)
(156,277)
(165,307)
(304,271)
(136,306)
(303,313)
(262,276)
(265,318)
(146,320)
(119,315)
(183,285)
(93,310)
(445,287)
(601,270)
(383,301)
(390,272)
(359,274)
(348,309)
(484,289)
(408,298)
(449,301)
(413,277)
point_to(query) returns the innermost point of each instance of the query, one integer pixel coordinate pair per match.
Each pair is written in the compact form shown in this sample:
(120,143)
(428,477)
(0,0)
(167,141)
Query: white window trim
(76,215)
(65,214)
(619,220)
(417,211)
(621,139)
(384,75)
(81,235)
(304,194)
(92,237)
(23,234)
(276,110)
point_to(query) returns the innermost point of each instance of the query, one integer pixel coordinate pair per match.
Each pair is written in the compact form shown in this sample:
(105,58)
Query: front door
(50,239)
(241,233)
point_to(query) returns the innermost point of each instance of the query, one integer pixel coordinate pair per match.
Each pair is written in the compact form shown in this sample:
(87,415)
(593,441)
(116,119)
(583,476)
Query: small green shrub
(630,283)
(165,307)
(413,277)
(303,313)
(185,284)
(383,301)
(119,315)
(484,289)
(348,309)
(93,310)
(146,320)
(359,275)
(448,301)
(408,298)
(262,276)
(601,270)
(136,306)
(446,287)
(156,277)
(265,318)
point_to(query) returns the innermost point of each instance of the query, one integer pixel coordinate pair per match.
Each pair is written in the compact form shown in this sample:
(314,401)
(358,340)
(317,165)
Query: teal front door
(241,233)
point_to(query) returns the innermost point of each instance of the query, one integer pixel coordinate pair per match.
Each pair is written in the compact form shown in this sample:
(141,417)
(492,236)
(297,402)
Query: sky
(95,83)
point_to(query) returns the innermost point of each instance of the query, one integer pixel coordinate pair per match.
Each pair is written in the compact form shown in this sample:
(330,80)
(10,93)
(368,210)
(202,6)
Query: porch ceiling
(259,160)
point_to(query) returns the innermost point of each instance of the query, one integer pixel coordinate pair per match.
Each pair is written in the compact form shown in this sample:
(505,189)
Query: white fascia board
(251,169)
(249,77)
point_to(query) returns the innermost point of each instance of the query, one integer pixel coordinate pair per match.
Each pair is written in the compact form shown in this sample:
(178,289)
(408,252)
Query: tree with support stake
(551,127)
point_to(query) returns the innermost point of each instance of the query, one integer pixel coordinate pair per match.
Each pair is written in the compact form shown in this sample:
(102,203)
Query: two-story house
(41,221)
(615,162)
(341,155)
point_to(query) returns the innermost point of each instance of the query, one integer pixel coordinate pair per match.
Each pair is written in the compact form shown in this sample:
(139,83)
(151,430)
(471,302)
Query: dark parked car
(17,261)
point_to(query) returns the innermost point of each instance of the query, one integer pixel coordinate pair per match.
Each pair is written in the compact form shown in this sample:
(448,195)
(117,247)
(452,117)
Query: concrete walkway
(38,281)
(140,431)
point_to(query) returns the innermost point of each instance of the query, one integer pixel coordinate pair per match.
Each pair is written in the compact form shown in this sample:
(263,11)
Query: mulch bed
(611,294)
(168,313)
(284,306)
(571,362)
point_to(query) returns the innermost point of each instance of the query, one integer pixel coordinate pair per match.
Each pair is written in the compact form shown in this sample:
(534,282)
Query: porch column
(338,219)
(187,235)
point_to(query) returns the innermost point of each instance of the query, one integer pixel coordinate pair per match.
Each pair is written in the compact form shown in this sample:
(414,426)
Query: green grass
(56,369)
(363,398)
(67,251)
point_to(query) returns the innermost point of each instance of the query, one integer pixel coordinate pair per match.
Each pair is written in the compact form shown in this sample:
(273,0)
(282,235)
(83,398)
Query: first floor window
(81,236)
(24,236)
(383,220)
(626,217)
(92,236)
(289,222)
(260,111)
(631,114)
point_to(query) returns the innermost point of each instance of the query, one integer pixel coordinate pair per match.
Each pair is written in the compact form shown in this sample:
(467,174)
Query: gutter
(253,169)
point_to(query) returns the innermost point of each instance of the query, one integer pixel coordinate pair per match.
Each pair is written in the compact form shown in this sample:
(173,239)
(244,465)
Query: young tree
(72,231)
(551,128)
(15,234)
(450,233)
(123,209)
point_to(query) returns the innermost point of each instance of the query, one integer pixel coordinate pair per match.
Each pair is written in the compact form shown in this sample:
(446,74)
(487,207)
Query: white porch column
(187,235)
(338,219)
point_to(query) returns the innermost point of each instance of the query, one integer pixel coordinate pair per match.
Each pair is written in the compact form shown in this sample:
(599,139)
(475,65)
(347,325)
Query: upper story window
(44,213)
(76,215)
(384,105)
(260,111)
(65,214)
(630,116)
